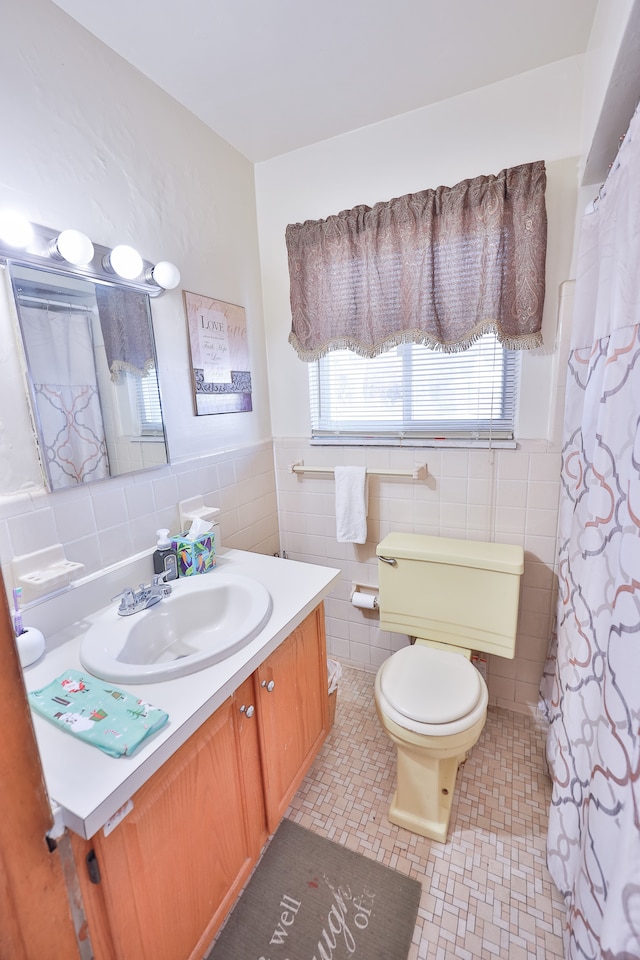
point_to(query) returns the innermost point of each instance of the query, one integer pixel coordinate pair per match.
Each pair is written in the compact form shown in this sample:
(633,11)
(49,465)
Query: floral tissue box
(194,556)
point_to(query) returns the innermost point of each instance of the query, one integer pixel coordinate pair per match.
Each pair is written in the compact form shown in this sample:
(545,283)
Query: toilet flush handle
(391,560)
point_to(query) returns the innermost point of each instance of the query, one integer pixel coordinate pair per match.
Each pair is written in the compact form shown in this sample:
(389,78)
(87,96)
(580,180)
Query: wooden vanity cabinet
(293,712)
(172,869)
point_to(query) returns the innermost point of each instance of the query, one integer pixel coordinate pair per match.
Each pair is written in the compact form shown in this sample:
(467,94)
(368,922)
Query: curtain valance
(440,267)
(124,320)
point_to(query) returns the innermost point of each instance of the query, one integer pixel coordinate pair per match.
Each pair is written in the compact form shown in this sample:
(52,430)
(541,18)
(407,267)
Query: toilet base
(424,795)
(426,776)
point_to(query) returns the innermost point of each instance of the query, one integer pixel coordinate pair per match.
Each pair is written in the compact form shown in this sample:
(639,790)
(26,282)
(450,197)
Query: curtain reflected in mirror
(91,368)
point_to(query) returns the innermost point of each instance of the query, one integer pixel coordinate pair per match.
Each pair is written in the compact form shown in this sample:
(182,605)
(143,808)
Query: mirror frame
(41,255)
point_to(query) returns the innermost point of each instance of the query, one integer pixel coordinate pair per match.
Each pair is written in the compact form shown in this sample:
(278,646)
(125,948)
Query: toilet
(451,597)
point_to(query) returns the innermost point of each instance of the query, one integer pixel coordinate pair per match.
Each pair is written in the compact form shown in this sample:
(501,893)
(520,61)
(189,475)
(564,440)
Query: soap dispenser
(165,559)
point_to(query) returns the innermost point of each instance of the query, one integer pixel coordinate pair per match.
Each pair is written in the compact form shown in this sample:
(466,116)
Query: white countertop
(88,785)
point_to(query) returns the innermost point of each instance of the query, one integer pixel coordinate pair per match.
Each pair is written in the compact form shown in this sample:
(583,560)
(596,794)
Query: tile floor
(486,892)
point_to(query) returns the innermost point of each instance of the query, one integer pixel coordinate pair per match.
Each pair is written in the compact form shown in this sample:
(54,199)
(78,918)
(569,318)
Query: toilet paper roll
(365,601)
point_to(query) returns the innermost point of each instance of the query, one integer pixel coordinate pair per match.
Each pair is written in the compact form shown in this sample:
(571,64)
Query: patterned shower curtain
(59,348)
(591,689)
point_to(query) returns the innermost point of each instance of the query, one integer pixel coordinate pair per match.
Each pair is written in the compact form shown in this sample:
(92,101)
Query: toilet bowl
(433,705)
(451,597)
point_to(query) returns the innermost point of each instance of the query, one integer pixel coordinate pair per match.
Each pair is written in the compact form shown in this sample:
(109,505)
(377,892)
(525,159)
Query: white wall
(89,142)
(509,496)
(530,117)
(607,34)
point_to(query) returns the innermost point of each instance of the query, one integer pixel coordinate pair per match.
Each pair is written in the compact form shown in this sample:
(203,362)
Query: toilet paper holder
(364,596)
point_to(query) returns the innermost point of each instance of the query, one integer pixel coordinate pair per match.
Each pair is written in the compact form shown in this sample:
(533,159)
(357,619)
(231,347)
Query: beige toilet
(453,597)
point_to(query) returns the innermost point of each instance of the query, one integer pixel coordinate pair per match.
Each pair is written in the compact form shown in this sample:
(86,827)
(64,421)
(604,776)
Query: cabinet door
(292,712)
(248,746)
(172,868)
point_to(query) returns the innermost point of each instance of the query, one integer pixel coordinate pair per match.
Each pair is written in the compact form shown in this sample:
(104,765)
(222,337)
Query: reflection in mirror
(91,368)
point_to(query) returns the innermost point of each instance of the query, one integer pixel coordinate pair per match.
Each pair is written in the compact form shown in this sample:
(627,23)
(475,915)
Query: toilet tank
(460,592)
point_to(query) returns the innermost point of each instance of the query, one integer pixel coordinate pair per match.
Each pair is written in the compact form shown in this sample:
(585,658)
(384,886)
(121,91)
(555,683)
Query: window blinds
(412,392)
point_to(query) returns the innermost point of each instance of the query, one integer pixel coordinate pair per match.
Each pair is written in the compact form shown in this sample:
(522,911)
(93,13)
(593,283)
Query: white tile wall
(103,523)
(503,495)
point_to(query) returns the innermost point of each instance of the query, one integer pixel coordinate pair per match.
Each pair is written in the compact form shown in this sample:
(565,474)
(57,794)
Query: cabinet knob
(269,686)
(248,711)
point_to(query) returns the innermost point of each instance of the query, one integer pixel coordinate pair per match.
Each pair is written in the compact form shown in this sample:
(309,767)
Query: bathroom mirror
(91,369)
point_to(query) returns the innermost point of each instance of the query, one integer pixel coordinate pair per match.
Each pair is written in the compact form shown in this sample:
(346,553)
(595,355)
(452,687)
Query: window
(411,394)
(148,404)
(431,271)
(138,405)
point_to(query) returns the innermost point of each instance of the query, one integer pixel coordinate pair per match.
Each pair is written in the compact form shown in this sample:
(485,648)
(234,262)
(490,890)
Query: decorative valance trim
(525,342)
(440,268)
(120,367)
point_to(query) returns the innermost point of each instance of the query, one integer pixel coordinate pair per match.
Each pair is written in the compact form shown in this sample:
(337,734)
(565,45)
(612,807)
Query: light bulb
(166,275)
(74,247)
(126,262)
(15,229)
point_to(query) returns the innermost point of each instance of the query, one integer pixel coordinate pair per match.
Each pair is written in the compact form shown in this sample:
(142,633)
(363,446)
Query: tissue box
(194,556)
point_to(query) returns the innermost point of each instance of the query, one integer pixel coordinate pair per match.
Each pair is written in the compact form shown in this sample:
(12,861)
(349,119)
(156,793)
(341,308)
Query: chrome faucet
(132,601)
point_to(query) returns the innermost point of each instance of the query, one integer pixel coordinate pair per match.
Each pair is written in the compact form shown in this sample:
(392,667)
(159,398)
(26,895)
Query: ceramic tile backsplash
(504,495)
(106,522)
(137,499)
(35,530)
(165,492)
(73,512)
(109,504)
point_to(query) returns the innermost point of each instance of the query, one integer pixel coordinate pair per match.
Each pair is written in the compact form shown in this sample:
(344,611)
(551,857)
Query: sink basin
(206,619)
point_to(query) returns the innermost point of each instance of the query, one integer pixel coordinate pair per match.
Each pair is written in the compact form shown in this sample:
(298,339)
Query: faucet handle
(159,581)
(127,599)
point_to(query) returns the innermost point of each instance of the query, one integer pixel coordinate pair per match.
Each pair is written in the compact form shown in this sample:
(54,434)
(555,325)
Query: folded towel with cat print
(96,712)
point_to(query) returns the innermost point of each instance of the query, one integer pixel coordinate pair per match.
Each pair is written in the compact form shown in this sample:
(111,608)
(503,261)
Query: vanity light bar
(33,245)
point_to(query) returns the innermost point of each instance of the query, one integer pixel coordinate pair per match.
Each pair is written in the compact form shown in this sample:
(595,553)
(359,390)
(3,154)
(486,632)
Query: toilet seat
(431,691)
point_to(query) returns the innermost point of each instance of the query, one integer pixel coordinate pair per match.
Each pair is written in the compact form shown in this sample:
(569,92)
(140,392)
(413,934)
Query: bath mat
(313,899)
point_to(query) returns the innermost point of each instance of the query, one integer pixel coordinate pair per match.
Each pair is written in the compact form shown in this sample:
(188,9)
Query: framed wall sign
(219,355)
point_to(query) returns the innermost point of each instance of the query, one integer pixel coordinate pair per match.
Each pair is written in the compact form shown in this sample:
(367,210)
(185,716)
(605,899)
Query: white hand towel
(351,504)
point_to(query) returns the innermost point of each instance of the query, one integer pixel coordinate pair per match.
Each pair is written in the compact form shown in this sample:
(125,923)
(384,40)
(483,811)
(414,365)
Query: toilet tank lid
(504,557)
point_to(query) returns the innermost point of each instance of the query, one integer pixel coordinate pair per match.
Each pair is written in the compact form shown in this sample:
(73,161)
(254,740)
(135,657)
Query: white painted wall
(530,117)
(608,28)
(510,497)
(89,142)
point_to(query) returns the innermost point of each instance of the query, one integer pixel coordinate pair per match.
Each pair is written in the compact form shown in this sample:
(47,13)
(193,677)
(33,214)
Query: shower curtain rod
(42,303)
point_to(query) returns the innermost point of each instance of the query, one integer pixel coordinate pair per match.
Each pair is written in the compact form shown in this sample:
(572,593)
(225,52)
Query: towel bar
(419,472)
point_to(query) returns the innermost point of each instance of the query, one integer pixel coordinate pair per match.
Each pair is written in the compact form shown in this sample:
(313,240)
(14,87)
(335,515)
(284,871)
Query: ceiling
(270,77)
